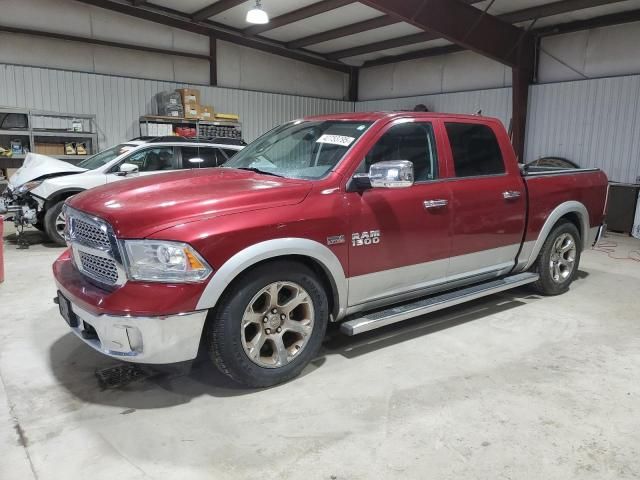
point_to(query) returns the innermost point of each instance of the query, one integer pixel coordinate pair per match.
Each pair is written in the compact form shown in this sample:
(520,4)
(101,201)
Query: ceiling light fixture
(257,15)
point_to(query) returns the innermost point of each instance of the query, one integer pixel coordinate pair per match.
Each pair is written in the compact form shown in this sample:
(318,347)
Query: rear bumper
(153,340)
(599,232)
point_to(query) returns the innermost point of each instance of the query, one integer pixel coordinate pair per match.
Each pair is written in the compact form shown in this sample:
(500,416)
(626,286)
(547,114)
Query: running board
(422,306)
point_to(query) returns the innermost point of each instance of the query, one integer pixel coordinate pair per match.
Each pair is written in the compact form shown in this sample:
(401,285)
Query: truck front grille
(95,248)
(101,269)
(90,234)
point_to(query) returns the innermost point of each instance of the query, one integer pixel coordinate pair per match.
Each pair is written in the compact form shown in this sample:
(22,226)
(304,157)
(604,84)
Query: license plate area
(66,311)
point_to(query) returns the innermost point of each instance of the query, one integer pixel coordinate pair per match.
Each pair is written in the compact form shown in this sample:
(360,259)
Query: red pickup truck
(361,218)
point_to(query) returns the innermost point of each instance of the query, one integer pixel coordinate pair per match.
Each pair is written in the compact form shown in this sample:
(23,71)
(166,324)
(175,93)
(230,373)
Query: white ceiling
(357,12)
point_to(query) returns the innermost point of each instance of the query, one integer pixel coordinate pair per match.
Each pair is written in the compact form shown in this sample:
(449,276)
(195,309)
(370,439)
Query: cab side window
(155,159)
(202,157)
(411,141)
(475,149)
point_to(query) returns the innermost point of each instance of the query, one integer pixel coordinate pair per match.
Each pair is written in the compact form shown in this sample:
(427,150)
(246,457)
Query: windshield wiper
(257,170)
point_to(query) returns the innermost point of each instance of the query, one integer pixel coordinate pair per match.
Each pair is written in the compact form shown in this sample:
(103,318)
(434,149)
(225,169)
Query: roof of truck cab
(373,116)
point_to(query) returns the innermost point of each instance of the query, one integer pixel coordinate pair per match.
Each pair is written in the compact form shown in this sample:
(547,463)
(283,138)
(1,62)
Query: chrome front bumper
(154,340)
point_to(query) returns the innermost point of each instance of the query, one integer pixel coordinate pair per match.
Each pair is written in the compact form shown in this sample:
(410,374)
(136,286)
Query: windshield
(104,157)
(307,150)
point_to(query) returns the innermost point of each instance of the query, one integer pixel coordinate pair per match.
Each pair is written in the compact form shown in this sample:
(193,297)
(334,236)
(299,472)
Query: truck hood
(36,166)
(137,208)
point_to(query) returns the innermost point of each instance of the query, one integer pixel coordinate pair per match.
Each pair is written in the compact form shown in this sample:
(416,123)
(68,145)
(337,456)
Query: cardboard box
(192,110)
(70,148)
(206,112)
(227,116)
(189,96)
(51,149)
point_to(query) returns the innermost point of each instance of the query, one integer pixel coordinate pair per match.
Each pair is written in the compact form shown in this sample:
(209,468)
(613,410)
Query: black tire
(547,285)
(224,332)
(50,229)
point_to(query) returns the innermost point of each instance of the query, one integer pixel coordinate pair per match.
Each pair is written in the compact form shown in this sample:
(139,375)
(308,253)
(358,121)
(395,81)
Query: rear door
(202,157)
(489,201)
(398,243)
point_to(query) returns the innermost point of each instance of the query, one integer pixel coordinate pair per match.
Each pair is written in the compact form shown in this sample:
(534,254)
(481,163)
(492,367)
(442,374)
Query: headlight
(27,187)
(162,261)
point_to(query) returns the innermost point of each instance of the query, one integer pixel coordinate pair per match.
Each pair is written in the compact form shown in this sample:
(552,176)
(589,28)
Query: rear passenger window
(229,153)
(475,150)
(202,157)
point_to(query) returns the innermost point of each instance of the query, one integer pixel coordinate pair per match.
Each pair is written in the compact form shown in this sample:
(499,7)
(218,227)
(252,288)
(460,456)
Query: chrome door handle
(511,194)
(435,203)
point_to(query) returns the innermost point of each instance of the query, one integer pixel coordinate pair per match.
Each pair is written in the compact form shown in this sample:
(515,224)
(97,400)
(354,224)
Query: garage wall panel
(595,123)
(494,103)
(445,73)
(599,52)
(118,102)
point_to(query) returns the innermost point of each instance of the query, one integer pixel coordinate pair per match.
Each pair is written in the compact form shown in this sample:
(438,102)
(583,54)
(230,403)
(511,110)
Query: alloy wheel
(277,324)
(563,257)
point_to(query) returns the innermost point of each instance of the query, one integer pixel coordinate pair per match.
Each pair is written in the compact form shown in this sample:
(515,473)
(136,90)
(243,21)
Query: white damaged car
(37,191)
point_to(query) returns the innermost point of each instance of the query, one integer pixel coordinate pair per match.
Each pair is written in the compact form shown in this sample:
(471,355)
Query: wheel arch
(572,211)
(61,195)
(309,252)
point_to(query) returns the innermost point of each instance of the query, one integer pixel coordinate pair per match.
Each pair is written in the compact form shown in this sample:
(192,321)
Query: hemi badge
(336,239)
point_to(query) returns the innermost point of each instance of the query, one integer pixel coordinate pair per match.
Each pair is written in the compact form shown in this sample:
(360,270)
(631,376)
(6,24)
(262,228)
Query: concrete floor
(509,387)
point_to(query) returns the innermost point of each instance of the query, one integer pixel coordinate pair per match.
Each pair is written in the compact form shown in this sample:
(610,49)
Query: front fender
(271,249)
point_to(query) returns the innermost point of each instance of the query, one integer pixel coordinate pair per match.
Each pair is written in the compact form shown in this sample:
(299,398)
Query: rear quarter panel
(546,192)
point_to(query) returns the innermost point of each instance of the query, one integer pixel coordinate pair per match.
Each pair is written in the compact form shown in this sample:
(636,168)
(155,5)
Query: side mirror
(391,174)
(127,168)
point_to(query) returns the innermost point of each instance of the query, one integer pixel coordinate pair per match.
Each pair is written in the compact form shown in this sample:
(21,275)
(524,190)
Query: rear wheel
(558,261)
(269,325)
(54,222)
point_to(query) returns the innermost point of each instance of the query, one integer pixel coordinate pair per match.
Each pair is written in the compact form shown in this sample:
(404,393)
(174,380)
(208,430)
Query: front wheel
(558,261)
(269,325)
(54,222)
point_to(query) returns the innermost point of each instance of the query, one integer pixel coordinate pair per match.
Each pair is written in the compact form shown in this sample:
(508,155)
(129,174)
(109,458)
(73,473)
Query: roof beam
(104,43)
(377,22)
(297,15)
(464,25)
(215,8)
(546,10)
(183,21)
(596,22)
(352,29)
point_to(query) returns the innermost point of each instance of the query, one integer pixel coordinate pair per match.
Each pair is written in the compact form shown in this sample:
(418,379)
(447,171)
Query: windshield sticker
(336,140)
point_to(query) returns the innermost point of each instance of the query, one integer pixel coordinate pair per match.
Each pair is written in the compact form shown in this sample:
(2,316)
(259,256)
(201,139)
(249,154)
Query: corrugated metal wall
(494,103)
(118,102)
(595,123)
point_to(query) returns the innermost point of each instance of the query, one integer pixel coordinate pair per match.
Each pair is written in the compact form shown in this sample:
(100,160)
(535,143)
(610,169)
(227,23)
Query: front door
(149,161)
(489,203)
(399,243)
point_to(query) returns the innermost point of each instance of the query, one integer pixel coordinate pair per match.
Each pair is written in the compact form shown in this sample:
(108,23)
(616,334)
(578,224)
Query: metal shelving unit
(223,129)
(38,122)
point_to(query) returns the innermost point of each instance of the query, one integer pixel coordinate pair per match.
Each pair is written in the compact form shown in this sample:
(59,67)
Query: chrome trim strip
(279,247)
(428,305)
